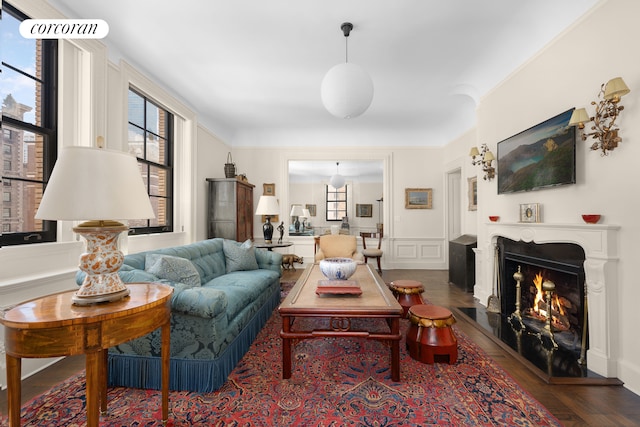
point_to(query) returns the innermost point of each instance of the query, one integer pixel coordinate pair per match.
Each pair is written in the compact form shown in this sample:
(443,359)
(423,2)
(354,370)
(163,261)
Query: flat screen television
(540,157)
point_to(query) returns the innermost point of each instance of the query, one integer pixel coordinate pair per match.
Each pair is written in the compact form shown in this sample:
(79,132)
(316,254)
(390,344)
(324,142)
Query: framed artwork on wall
(540,157)
(312,209)
(364,210)
(473,193)
(268,189)
(418,198)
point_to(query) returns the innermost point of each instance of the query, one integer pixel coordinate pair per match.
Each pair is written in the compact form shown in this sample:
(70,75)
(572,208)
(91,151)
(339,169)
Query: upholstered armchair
(338,245)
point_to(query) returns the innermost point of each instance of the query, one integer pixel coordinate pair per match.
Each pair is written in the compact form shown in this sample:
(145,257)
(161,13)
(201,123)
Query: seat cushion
(372,252)
(243,288)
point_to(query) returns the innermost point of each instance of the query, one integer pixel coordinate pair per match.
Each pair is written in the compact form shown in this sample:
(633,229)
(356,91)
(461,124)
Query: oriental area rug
(335,382)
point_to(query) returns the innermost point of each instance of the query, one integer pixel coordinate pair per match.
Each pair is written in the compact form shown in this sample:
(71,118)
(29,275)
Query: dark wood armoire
(230,209)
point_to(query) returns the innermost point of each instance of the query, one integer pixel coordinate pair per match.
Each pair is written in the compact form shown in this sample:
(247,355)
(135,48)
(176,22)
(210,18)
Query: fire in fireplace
(540,308)
(534,277)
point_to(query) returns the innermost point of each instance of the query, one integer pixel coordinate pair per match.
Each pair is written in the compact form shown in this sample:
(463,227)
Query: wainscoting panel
(409,253)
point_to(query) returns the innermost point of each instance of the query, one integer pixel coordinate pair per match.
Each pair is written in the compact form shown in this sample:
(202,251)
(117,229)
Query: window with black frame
(151,141)
(29,142)
(336,203)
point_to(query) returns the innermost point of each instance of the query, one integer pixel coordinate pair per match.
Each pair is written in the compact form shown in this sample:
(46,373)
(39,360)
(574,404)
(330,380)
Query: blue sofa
(224,292)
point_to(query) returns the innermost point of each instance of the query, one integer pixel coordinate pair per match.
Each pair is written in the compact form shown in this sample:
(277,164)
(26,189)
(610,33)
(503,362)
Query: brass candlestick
(583,348)
(516,317)
(549,288)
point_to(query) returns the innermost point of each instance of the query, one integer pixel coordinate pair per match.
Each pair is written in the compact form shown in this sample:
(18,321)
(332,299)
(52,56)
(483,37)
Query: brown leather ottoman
(407,293)
(430,333)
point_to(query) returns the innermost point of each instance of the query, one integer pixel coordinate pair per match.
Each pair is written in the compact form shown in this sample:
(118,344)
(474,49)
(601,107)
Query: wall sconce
(604,130)
(486,157)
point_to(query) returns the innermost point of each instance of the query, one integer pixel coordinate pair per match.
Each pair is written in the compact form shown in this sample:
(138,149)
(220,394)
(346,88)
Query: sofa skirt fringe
(201,375)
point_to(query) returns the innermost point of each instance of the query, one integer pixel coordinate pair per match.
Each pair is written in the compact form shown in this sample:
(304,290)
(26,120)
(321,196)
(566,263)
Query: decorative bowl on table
(591,218)
(338,268)
(493,218)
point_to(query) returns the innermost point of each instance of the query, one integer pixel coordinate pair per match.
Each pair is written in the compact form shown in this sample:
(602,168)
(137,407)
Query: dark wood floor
(573,405)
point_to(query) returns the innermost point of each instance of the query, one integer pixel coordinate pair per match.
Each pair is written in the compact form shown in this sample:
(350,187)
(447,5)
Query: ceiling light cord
(346,28)
(346,49)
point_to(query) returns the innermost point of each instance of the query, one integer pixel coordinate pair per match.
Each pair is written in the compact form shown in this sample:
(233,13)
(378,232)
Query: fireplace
(581,260)
(534,276)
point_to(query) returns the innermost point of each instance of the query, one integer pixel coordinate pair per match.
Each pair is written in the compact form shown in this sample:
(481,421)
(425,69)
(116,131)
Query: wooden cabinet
(230,209)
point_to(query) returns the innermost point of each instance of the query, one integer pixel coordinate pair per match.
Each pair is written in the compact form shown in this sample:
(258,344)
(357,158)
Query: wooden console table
(52,326)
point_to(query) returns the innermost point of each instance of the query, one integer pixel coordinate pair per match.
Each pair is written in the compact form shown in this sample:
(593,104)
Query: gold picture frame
(530,212)
(473,193)
(268,189)
(312,209)
(364,210)
(418,198)
(272,218)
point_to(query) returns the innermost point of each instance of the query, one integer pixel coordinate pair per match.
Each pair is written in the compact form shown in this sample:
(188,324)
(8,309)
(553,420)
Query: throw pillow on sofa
(172,268)
(239,256)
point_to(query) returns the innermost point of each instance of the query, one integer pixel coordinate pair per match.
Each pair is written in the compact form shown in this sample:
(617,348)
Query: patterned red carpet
(335,382)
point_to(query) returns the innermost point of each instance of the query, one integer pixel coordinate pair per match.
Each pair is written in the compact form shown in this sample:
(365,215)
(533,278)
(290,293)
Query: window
(6,197)
(336,203)
(29,69)
(151,141)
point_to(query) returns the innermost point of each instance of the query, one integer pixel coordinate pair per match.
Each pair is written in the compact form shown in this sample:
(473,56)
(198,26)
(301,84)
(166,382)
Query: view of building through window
(336,203)
(28,130)
(151,140)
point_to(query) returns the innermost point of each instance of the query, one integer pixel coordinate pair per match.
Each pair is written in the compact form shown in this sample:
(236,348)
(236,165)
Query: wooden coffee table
(376,302)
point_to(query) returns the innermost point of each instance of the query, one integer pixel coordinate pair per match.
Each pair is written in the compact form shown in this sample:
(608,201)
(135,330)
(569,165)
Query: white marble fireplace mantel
(600,244)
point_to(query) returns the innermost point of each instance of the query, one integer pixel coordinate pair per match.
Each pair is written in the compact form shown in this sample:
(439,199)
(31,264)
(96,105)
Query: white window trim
(185,147)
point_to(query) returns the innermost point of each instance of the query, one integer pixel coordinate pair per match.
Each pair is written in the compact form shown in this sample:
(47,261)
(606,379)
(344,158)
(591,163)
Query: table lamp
(305,216)
(100,186)
(268,206)
(296,211)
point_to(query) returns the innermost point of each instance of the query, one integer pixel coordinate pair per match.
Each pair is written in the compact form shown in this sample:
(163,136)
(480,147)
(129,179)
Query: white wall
(211,156)
(414,238)
(358,193)
(455,156)
(568,73)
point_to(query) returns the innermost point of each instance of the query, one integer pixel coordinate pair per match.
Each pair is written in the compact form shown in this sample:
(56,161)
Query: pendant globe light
(347,89)
(337,180)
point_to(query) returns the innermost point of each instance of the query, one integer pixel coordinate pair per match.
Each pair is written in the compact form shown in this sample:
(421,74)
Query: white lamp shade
(296,210)
(347,90)
(578,116)
(95,184)
(267,205)
(488,156)
(616,87)
(306,213)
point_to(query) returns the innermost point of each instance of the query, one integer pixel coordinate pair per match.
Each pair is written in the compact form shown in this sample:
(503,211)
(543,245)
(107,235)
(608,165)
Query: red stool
(430,333)
(407,293)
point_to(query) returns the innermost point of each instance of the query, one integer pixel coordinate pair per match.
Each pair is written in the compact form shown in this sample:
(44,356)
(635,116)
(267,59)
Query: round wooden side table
(52,326)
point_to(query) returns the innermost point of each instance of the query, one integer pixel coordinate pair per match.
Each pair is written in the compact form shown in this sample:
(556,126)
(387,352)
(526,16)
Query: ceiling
(256,66)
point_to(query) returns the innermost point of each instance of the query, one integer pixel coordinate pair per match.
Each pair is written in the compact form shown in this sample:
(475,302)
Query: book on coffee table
(338,287)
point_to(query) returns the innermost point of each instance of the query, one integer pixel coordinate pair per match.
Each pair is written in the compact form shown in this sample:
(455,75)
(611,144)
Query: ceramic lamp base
(101,263)
(267,230)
